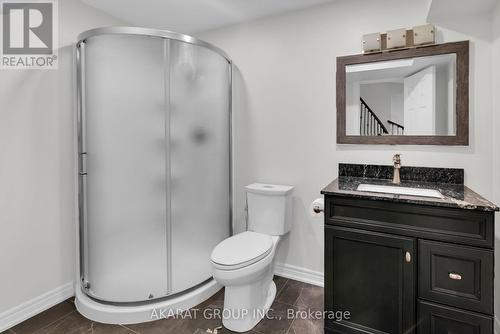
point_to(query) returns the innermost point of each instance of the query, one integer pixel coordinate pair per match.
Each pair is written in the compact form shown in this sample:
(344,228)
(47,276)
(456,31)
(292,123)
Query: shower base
(133,314)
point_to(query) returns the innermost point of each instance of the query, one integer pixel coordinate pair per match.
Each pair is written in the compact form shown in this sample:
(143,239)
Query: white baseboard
(497,326)
(34,306)
(299,274)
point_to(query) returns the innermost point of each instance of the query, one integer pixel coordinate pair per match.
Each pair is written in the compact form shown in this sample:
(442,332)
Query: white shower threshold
(133,314)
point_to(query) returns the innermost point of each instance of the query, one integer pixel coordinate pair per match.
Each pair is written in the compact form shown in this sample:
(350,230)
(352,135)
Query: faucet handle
(397,159)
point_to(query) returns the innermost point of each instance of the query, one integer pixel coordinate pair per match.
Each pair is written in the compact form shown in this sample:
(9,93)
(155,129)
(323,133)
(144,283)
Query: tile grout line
(298,297)
(297,307)
(275,300)
(290,304)
(285,303)
(129,329)
(293,305)
(291,324)
(289,328)
(53,322)
(300,294)
(282,288)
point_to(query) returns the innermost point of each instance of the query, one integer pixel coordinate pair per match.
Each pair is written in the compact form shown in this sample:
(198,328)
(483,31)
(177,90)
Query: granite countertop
(448,181)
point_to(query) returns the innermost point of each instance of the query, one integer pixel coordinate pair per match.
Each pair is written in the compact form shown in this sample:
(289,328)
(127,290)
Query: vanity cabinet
(408,268)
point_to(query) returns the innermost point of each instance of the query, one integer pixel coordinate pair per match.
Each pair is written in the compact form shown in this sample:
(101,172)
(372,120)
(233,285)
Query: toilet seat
(241,250)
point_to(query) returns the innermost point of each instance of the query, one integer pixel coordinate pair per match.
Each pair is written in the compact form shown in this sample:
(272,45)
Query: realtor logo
(29,34)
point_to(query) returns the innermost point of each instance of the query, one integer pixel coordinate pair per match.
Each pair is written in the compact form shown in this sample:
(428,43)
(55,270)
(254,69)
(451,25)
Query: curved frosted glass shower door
(199,141)
(125,140)
(155,164)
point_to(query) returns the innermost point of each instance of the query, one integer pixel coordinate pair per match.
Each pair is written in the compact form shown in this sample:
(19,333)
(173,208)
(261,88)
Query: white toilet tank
(269,208)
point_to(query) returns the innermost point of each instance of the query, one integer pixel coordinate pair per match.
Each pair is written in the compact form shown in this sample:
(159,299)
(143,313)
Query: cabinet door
(372,276)
(439,319)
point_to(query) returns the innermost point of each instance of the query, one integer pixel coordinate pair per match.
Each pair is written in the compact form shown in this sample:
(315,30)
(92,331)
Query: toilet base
(245,317)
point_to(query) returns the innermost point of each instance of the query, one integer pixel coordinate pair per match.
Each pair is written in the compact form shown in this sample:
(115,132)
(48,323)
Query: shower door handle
(83,164)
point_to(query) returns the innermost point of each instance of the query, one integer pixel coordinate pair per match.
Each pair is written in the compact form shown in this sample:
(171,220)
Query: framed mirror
(417,96)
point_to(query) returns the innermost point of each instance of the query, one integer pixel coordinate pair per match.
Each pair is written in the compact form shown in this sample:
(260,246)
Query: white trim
(35,306)
(134,314)
(497,326)
(299,274)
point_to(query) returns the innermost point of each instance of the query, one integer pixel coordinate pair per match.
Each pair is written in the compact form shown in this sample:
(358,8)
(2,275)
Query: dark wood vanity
(406,264)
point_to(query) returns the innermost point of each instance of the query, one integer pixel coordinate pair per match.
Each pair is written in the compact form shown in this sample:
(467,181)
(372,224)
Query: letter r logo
(27,28)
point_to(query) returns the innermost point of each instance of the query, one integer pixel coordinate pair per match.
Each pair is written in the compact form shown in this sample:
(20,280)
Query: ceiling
(192,16)
(395,70)
(444,9)
(471,17)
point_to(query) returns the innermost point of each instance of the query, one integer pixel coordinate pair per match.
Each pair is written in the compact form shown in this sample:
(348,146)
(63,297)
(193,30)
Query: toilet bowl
(247,277)
(244,263)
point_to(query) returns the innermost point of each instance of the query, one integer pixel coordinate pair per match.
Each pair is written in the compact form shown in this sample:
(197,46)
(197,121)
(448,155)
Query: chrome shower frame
(81,123)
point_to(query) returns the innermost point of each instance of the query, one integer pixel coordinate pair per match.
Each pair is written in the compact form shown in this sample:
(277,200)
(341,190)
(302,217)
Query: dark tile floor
(292,298)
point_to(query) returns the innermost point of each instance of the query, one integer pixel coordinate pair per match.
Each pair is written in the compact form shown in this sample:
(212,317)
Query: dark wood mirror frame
(461,137)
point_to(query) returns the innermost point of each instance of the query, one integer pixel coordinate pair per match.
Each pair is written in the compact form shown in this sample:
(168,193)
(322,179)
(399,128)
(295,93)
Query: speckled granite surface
(448,181)
(407,173)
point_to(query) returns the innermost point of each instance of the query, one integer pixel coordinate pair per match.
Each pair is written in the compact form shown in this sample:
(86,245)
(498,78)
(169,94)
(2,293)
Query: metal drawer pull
(456,277)
(408,257)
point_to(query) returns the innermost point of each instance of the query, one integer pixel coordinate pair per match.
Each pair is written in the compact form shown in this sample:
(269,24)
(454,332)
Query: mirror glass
(413,96)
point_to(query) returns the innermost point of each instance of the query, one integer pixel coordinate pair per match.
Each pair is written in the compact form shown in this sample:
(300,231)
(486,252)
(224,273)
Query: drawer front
(456,275)
(469,227)
(438,319)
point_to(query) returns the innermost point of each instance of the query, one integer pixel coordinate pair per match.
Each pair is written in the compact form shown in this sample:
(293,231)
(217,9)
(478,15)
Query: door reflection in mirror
(414,96)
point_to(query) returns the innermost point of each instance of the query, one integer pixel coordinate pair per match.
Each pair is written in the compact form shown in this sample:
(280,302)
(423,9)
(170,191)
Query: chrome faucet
(397,166)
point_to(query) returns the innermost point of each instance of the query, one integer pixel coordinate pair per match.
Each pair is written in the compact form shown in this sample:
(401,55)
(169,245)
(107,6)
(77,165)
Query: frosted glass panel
(199,139)
(126,164)
(157,136)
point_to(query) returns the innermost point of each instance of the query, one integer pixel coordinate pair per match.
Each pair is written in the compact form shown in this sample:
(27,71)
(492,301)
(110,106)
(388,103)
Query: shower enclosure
(154,163)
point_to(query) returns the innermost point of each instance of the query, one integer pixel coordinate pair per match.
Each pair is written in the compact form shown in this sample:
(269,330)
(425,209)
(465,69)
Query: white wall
(496,147)
(36,170)
(284,108)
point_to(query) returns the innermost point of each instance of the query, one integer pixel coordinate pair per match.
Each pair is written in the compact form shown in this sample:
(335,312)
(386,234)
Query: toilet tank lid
(269,189)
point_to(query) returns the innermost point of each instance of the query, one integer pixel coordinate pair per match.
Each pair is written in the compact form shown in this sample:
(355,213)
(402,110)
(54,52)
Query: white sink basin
(400,190)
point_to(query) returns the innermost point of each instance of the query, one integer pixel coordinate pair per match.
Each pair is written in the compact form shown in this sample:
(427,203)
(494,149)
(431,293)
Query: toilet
(244,262)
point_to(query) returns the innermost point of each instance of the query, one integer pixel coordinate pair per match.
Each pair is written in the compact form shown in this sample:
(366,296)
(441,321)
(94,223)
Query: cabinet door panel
(438,319)
(370,275)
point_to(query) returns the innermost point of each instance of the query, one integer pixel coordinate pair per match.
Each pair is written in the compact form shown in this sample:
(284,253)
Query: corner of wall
(496,148)
(40,210)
